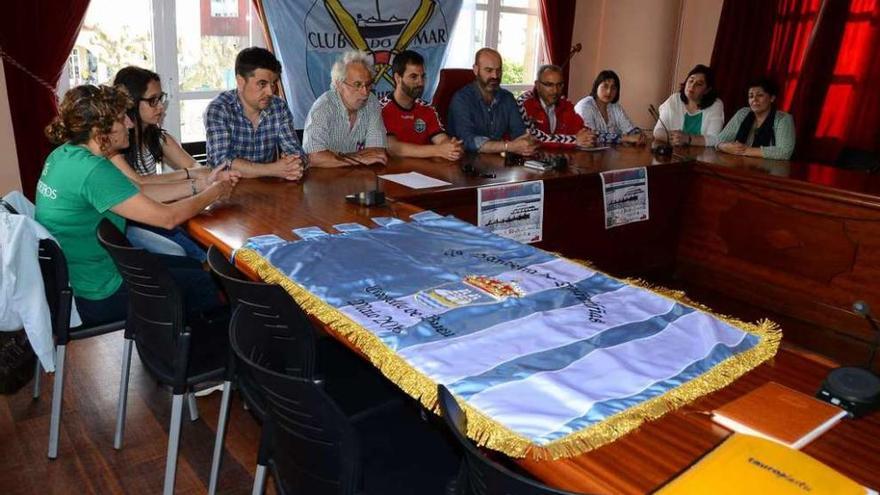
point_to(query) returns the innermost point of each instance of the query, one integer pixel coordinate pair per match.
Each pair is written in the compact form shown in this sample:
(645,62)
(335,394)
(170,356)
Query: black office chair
(267,309)
(856,159)
(178,349)
(480,475)
(299,350)
(315,448)
(53,266)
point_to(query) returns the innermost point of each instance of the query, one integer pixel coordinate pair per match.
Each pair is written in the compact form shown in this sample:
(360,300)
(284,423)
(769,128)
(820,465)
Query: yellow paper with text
(750,465)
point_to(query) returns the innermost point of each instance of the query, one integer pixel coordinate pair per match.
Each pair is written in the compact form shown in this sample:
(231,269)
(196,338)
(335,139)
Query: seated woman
(149,148)
(760,129)
(694,115)
(604,115)
(79,186)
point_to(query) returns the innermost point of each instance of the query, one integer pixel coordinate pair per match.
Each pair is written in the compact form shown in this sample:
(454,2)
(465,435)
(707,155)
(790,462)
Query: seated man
(344,126)
(249,128)
(413,126)
(484,116)
(549,116)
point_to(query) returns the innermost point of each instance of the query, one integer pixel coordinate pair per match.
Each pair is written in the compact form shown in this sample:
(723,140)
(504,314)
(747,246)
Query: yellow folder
(745,464)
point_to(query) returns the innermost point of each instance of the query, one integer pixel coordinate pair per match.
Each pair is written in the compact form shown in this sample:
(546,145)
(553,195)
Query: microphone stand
(862,308)
(664,149)
(364,198)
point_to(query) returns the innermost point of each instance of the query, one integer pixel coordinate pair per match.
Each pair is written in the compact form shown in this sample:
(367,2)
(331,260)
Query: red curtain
(39,35)
(825,56)
(557,20)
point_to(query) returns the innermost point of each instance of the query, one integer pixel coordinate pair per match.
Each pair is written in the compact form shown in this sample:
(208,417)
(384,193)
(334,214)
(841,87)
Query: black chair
(480,475)
(315,448)
(856,159)
(53,266)
(299,350)
(272,312)
(178,349)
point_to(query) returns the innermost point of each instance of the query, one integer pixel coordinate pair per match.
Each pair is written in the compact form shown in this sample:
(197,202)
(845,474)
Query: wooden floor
(87,462)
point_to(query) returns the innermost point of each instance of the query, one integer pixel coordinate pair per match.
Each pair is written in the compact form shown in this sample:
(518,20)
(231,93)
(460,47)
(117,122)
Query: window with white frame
(191,44)
(513,27)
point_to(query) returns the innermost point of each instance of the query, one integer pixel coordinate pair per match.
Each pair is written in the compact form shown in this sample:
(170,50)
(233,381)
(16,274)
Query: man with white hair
(344,126)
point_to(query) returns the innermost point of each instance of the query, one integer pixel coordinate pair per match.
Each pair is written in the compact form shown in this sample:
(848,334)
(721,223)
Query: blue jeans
(199,291)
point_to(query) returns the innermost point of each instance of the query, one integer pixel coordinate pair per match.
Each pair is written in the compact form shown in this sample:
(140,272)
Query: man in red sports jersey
(414,129)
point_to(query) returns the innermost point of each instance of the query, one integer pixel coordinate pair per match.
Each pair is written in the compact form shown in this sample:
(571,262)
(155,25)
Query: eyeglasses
(358,86)
(546,84)
(154,101)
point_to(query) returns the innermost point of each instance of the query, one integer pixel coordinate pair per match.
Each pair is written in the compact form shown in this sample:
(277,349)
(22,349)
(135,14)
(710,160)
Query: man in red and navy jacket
(549,116)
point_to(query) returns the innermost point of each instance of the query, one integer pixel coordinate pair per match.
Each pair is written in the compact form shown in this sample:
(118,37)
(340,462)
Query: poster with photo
(625,194)
(515,211)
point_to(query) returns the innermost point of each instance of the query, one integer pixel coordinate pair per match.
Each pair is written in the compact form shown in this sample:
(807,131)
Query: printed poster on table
(626,196)
(514,211)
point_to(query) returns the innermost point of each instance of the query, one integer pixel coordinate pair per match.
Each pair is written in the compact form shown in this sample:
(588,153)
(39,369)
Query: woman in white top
(694,115)
(604,115)
(149,147)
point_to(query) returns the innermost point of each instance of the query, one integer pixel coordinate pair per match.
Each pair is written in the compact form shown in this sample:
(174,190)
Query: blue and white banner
(546,354)
(308,36)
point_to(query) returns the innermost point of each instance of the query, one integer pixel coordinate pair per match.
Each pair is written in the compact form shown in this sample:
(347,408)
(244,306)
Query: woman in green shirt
(759,130)
(79,187)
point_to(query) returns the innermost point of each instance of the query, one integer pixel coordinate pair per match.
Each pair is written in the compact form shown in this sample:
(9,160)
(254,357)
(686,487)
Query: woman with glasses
(150,146)
(604,115)
(79,187)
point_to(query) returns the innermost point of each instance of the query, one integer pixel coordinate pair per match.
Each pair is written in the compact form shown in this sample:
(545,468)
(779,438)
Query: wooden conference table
(680,233)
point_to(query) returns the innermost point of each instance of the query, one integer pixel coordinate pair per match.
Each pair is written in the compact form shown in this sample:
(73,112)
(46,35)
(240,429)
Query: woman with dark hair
(759,129)
(79,187)
(694,115)
(604,115)
(150,147)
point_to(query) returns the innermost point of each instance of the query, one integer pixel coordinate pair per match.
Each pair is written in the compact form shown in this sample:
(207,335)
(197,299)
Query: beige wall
(647,42)
(9,176)
(696,36)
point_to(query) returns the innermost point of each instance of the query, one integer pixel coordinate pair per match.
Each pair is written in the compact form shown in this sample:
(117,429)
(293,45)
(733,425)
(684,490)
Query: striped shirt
(145,164)
(231,135)
(328,129)
(612,131)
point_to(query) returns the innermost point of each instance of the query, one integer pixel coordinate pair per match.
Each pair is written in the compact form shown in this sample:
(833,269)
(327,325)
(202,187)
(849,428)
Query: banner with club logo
(548,357)
(308,36)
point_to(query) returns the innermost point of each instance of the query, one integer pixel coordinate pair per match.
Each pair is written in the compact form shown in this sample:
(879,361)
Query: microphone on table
(856,389)
(664,149)
(365,198)
(862,308)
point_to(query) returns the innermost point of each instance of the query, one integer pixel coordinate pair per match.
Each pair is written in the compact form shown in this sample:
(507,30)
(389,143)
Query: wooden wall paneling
(791,251)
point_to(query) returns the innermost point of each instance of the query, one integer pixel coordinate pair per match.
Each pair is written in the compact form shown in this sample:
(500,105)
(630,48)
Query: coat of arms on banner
(382,29)
(473,289)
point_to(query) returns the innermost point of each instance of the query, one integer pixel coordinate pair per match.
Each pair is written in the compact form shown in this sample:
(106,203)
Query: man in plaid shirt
(249,128)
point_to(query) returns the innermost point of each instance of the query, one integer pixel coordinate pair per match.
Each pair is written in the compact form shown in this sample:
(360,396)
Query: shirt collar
(476,88)
(239,106)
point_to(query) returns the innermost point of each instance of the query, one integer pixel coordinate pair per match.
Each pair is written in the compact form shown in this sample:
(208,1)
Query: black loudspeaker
(855,389)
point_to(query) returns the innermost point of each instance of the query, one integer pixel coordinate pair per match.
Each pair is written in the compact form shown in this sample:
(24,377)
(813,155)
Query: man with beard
(550,117)
(249,128)
(414,129)
(344,126)
(484,116)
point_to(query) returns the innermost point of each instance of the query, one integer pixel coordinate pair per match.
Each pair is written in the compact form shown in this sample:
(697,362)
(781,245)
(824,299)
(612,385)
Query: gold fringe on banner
(492,434)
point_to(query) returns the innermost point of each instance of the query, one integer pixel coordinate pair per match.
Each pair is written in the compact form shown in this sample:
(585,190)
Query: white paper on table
(415,180)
